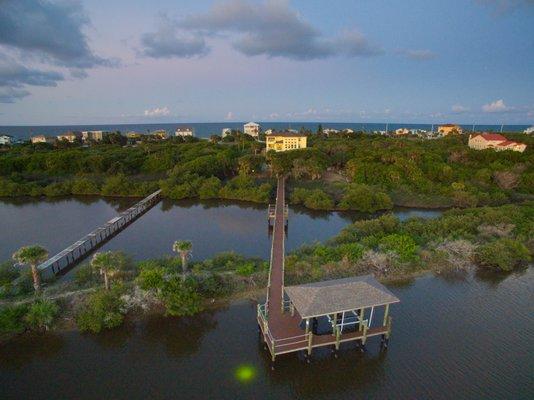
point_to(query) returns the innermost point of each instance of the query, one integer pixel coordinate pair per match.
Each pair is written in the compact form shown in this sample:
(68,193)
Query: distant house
(70,137)
(483,141)
(6,140)
(450,129)
(529,130)
(402,132)
(284,141)
(133,135)
(183,132)
(43,139)
(226,131)
(97,136)
(160,134)
(253,129)
(348,130)
(329,131)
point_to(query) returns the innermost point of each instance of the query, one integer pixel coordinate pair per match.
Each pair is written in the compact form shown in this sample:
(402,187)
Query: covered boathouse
(328,313)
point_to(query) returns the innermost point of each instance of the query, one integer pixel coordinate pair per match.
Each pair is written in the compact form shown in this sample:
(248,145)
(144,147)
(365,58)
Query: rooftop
(286,134)
(491,136)
(338,295)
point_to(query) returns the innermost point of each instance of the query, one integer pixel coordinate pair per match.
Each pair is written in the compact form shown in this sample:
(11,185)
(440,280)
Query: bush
(210,188)
(403,245)
(12,319)
(84,186)
(364,198)
(318,200)
(41,314)
(8,273)
(102,310)
(151,278)
(181,297)
(503,254)
(84,275)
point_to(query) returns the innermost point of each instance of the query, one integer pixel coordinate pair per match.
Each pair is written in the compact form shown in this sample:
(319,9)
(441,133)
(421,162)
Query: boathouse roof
(338,295)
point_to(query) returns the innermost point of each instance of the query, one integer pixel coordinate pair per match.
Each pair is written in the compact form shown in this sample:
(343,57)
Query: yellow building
(449,129)
(284,141)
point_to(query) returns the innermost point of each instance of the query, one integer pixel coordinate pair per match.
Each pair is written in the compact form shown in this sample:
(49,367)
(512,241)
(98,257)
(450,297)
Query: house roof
(491,136)
(338,295)
(286,134)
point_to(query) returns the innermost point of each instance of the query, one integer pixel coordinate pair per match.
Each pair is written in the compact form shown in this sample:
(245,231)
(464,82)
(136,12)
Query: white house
(402,131)
(183,132)
(253,129)
(6,140)
(43,139)
(529,130)
(226,132)
(92,135)
(329,131)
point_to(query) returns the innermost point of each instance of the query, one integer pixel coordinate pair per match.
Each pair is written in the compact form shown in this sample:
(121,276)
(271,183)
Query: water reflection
(25,349)
(180,336)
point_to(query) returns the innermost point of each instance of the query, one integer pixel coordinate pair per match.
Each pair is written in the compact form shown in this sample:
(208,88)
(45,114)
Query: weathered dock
(81,248)
(289,319)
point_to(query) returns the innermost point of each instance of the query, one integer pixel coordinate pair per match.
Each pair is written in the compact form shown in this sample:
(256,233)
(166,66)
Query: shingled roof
(338,295)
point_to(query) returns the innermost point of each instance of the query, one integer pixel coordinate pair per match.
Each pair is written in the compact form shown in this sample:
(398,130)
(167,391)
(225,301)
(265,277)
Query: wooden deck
(77,251)
(281,330)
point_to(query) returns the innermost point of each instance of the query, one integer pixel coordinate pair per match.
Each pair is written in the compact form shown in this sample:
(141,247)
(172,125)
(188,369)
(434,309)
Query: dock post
(338,334)
(388,324)
(362,313)
(307,325)
(386,313)
(310,338)
(364,338)
(334,325)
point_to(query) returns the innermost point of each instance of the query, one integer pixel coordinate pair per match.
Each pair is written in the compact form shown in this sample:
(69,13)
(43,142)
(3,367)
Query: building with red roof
(483,141)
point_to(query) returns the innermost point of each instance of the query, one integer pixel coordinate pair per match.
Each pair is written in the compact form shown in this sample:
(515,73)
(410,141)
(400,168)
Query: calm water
(211,226)
(469,338)
(204,130)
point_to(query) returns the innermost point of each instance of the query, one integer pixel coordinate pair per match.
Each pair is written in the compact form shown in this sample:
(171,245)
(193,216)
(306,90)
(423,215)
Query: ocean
(204,130)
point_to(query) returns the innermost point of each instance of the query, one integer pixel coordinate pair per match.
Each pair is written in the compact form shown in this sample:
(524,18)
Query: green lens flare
(245,373)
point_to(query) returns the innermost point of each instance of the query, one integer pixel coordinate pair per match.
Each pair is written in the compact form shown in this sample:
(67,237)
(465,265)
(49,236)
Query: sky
(129,61)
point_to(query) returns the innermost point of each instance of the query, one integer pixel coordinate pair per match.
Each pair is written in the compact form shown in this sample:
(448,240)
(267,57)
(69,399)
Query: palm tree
(107,264)
(184,247)
(32,255)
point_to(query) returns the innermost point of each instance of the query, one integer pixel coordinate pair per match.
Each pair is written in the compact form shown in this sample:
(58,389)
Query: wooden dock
(81,248)
(279,321)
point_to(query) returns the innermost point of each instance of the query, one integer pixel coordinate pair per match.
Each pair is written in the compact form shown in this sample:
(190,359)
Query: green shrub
(102,310)
(365,198)
(12,319)
(41,314)
(353,251)
(151,278)
(246,269)
(210,188)
(403,245)
(84,186)
(84,275)
(181,297)
(503,254)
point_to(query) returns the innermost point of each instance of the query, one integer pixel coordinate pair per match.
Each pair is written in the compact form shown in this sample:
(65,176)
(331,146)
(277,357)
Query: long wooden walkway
(281,329)
(83,247)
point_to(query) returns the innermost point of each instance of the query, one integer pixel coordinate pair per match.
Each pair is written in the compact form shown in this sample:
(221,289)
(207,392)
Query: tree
(184,248)
(32,255)
(108,264)
(102,310)
(41,314)
(320,130)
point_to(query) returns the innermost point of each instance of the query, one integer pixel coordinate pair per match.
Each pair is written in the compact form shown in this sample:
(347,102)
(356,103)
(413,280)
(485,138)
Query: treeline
(361,172)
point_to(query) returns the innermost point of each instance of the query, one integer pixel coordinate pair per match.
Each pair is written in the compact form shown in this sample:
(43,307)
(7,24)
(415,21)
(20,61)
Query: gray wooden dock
(80,249)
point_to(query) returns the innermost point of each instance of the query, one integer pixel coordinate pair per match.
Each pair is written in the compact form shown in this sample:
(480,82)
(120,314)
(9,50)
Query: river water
(461,337)
(212,226)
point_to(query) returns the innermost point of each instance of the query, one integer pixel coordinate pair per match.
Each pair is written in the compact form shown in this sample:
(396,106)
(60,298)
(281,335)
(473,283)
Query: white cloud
(157,112)
(497,106)
(459,109)
(229,116)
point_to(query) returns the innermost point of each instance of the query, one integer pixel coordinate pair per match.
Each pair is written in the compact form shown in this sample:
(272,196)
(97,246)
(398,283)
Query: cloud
(157,112)
(497,106)
(270,28)
(459,109)
(169,42)
(501,7)
(15,76)
(10,94)
(229,116)
(418,55)
(49,31)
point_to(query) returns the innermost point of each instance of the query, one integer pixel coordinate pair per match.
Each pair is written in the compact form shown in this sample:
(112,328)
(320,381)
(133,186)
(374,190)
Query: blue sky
(69,62)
